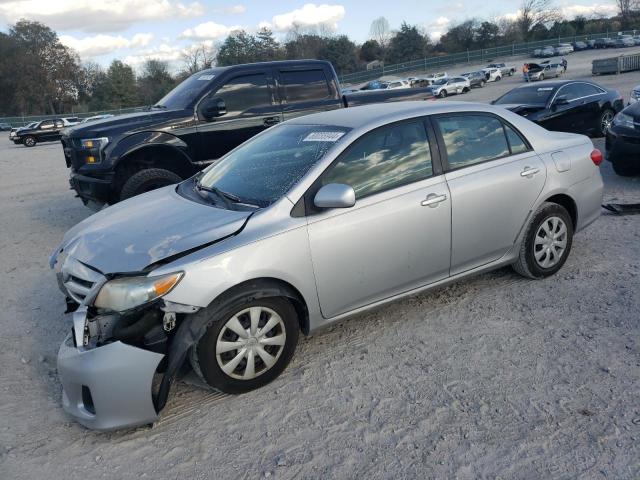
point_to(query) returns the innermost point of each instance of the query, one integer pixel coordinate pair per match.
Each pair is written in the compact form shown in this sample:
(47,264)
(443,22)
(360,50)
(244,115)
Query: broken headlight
(125,293)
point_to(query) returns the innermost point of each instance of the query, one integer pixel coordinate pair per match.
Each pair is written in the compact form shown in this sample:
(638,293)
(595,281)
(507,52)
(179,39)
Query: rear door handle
(269,121)
(529,172)
(433,200)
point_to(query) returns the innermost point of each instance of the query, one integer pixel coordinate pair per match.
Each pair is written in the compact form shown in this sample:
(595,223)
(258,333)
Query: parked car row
(567,48)
(46,130)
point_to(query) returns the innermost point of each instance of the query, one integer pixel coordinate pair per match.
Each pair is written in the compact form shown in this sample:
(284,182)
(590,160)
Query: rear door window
(304,85)
(472,139)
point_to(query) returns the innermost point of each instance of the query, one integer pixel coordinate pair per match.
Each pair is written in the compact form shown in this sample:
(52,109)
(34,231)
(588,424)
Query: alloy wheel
(550,242)
(250,343)
(605,121)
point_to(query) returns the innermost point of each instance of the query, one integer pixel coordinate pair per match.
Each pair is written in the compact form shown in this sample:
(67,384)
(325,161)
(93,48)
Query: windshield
(187,92)
(442,81)
(527,95)
(263,169)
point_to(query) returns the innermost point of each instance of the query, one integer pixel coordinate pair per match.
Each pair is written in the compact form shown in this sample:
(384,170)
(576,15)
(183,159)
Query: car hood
(122,123)
(136,233)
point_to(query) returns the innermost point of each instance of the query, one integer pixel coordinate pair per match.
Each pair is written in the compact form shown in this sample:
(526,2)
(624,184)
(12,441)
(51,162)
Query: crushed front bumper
(108,387)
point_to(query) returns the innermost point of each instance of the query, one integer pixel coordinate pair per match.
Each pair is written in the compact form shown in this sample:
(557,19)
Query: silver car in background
(307,223)
(450,86)
(634,96)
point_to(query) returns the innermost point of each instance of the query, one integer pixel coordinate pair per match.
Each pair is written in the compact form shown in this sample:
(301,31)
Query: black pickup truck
(200,120)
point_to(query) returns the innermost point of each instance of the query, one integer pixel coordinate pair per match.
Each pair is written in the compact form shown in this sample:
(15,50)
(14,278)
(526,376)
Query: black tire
(29,141)
(204,359)
(541,76)
(147,180)
(526,264)
(482,84)
(498,78)
(443,94)
(624,169)
(602,127)
(466,90)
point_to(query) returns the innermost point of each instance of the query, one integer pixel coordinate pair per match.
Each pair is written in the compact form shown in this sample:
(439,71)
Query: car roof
(276,63)
(558,83)
(356,117)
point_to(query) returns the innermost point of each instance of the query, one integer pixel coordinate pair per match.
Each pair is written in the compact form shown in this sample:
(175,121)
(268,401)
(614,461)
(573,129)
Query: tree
(460,37)
(380,32)
(370,51)
(407,44)
(8,78)
(155,82)
(267,47)
(341,52)
(121,85)
(304,46)
(47,69)
(626,11)
(239,47)
(198,58)
(535,12)
(487,34)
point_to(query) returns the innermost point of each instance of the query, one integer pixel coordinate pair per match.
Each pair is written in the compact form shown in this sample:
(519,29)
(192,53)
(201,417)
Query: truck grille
(78,279)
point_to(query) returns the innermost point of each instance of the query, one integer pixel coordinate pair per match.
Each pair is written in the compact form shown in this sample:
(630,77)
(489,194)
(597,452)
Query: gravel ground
(492,377)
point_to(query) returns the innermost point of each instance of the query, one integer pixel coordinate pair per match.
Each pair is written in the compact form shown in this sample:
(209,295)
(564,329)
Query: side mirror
(561,100)
(213,107)
(335,195)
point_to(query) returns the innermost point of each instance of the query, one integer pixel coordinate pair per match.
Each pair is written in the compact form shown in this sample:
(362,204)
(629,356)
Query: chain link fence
(470,56)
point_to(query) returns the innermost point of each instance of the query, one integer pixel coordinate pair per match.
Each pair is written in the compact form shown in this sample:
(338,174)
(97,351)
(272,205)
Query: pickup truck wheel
(442,94)
(29,141)
(546,243)
(247,345)
(147,180)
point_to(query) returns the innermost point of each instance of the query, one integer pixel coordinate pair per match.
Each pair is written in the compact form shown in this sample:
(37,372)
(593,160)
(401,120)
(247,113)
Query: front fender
(138,141)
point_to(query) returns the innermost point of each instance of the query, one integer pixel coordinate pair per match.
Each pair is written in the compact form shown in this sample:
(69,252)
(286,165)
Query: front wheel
(542,76)
(498,78)
(482,84)
(147,180)
(605,120)
(29,141)
(465,90)
(247,345)
(442,94)
(546,243)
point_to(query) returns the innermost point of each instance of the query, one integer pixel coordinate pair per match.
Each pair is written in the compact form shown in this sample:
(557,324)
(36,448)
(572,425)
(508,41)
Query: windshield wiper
(226,196)
(161,107)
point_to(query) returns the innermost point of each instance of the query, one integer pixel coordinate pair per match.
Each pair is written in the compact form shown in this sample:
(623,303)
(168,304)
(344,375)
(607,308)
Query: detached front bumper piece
(108,387)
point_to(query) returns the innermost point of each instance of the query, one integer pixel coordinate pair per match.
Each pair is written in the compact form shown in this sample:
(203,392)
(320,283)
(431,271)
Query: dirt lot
(493,377)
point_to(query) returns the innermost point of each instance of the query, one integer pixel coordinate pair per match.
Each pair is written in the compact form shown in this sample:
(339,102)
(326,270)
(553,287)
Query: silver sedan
(302,226)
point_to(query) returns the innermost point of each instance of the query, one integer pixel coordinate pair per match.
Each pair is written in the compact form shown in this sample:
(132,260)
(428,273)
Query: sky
(135,30)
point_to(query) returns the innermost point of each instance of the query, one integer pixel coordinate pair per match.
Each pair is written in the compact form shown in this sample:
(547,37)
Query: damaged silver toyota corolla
(309,222)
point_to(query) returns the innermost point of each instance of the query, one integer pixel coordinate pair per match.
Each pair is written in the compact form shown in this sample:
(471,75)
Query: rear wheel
(29,141)
(498,78)
(604,121)
(247,345)
(147,180)
(546,243)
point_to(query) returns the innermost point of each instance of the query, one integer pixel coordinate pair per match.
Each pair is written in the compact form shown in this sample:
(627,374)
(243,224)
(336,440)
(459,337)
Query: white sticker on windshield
(206,77)
(323,137)
(545,89)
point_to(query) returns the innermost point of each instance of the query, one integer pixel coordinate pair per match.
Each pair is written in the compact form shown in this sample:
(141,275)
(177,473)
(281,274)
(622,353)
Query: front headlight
(94,143)
(125,293)
(623,120)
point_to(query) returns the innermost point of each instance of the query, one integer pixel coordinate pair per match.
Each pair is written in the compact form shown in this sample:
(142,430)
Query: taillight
(596,157)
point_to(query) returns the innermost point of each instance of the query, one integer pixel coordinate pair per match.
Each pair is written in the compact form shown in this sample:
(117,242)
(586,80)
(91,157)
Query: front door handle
(269,121)
(433,200)
(529,172)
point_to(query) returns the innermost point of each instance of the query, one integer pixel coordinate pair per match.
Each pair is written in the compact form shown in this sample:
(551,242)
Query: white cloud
(597,9)
(308,16)
(208,30)
(96,16)
(98,45)
(167,53)
(438,27)
(231,10)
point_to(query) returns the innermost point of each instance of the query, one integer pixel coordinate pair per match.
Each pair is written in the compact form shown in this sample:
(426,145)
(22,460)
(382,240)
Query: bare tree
(536,12)
(198,57)
(380,31)
(626,10)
